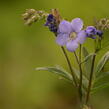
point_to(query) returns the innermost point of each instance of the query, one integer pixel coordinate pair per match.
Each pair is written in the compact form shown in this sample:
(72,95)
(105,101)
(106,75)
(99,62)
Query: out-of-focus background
(24,48)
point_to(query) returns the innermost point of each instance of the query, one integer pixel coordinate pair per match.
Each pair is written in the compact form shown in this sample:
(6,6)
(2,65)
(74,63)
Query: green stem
(69,64)
(76,57)
(91,78)
(81,73)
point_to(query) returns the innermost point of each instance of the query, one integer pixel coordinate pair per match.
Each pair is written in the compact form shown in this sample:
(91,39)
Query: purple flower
(71,34)
(91,32)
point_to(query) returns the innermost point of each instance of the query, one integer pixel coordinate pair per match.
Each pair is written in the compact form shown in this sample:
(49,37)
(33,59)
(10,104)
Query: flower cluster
(71,33)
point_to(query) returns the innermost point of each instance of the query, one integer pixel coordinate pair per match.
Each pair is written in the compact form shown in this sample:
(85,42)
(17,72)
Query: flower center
(73,35)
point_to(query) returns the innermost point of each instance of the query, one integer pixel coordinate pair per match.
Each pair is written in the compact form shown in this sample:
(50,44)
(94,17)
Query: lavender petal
(77,24)
(62,39)
(72,45)
(81,37)
(64,27)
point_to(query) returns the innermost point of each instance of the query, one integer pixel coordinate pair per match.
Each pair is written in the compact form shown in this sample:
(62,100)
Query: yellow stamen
(73,35)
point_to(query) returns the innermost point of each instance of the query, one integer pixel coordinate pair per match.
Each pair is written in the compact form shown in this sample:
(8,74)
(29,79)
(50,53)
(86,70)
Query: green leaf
(102,63)
(61,72)
(101,78)
(85,80)
(87,65)
(87,58)
(57,70)
(102,86)
(105,45)
(101,82)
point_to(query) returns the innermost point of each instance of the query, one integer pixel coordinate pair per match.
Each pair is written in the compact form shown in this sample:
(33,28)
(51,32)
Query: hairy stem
(69,64)
(91,78)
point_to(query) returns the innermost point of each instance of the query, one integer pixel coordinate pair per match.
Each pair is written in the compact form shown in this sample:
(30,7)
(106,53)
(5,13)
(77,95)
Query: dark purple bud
(53,28)
(99,33)
(50,18)
(91,31)
(51,23)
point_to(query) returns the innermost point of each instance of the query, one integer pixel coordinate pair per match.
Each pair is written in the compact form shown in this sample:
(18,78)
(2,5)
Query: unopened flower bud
(102,24)
(32,15)
(103,21)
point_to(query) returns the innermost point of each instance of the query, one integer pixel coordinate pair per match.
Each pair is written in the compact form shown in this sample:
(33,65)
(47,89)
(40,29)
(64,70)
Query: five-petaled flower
(71,34)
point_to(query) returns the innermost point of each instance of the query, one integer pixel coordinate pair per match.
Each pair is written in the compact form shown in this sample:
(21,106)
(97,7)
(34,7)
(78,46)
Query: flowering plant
(72,35)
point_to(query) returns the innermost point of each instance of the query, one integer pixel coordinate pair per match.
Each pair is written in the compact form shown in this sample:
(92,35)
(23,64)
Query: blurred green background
(24,48)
